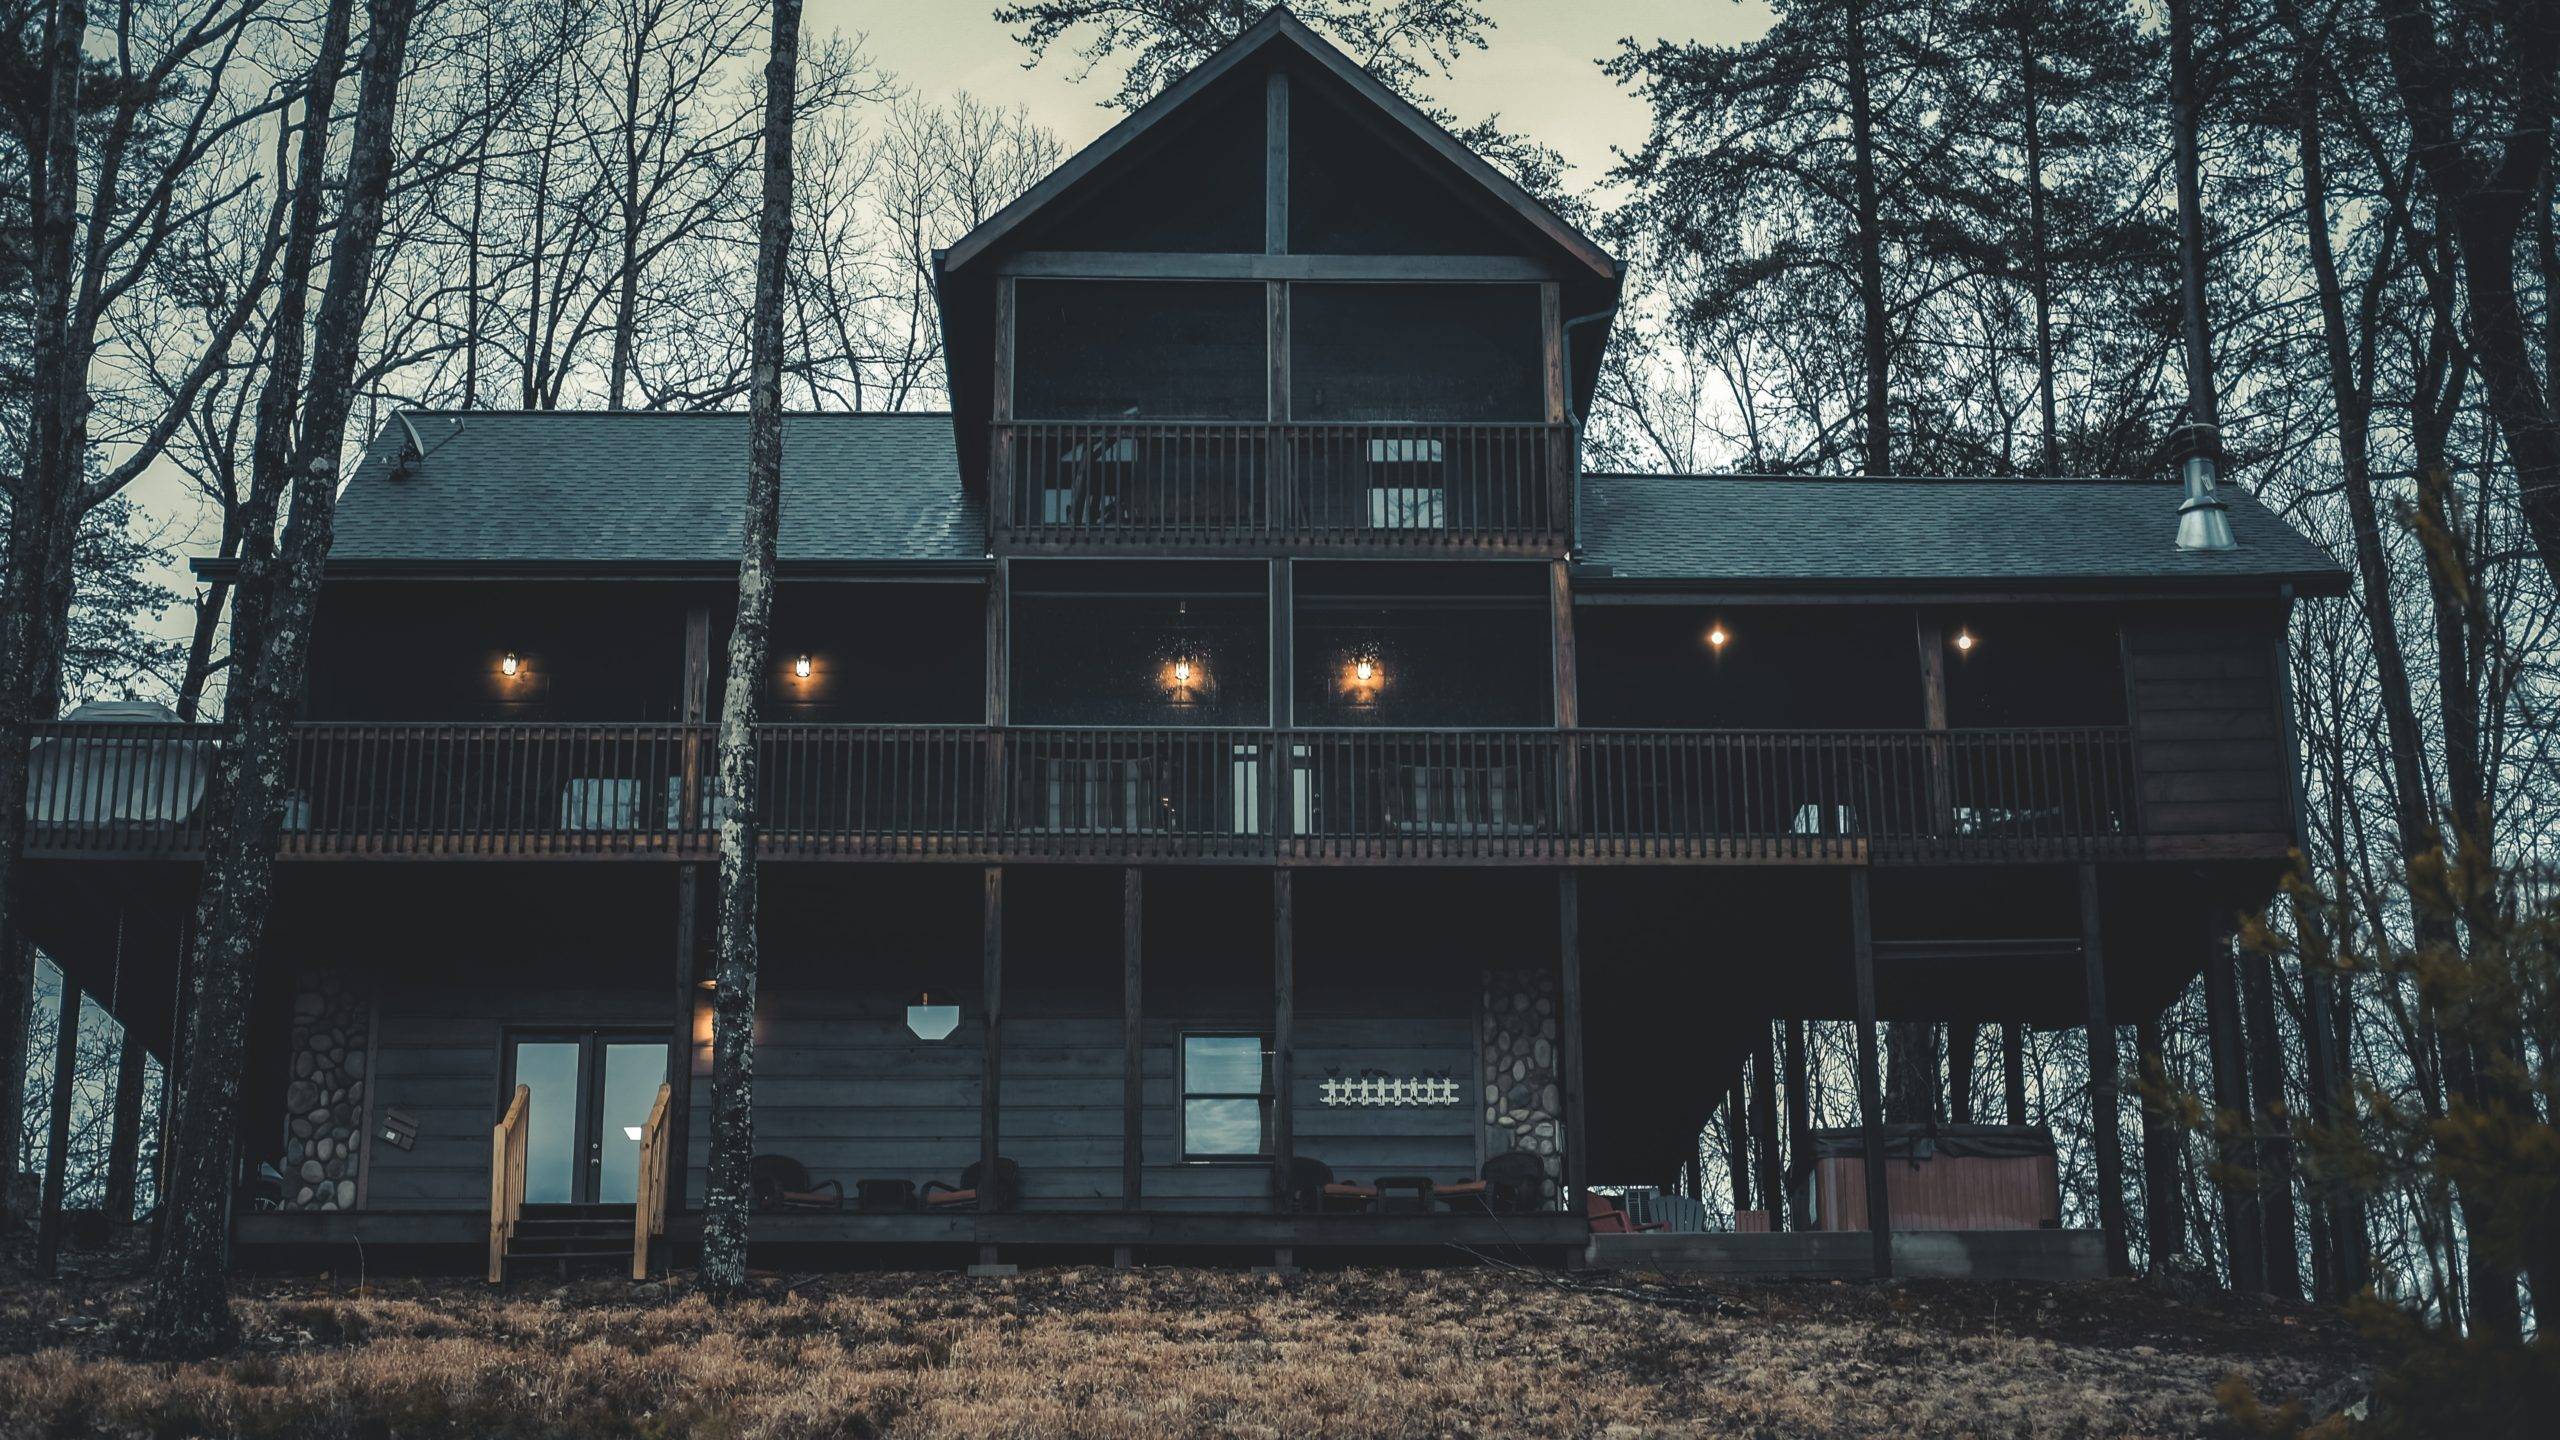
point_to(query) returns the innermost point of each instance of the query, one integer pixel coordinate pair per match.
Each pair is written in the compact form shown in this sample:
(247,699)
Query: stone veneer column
(1523,1104)
(324,1102)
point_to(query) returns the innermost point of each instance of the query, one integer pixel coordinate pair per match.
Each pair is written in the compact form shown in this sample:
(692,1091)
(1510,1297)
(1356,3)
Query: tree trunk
(1764,1128)
(2164,1225)
(2039,244)
(1872,341)
(124,1136)
(2203,404)
(189,1309)
(2274,1158)
(724,1223)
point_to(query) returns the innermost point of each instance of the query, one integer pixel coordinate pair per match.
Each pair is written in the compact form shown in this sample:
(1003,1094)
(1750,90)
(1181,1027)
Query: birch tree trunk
(733,1003)
(189,1310)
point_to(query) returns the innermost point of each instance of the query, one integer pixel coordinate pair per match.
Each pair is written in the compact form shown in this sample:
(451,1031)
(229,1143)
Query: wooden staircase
(569,1238)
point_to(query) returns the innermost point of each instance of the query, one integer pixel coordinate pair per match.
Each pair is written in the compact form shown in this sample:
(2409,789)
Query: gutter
(1573,417)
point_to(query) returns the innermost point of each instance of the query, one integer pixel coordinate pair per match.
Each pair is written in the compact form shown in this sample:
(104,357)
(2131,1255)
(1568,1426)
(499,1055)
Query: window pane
(1222,1065)
(633,1071)
(550,1069)
(1222,1127)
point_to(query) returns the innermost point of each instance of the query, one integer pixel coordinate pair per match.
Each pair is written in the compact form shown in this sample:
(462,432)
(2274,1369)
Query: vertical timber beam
(1737,1145)
(1577,1157)
(2013,1073)
(1962,1038)
(1862,962)
(2105,1127)
(2164,1220)
(1560,448)
(1279,490)
(1275,162)
(1931,637)
(1000,446)
(1764,1127)
(1279,778)
(1799,1132)
(1568,701)
(693,707)
(57,1137)
(1284,1031)
(2241,1233)
(1133,1054)
(991,1081)
(124,1138)
(993,802)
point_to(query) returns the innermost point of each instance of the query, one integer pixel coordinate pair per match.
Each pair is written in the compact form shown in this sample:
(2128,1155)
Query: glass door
(591,1094)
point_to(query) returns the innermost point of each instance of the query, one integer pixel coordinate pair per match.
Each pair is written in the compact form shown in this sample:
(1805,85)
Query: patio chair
(1608,1219)
(777,1183)
(941,1196)
(1510,1184)
(1314,1191)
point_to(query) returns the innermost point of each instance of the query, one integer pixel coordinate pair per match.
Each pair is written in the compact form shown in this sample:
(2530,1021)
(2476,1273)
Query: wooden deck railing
(649,1206)
(974,793)
(506,1179)
(1129,484)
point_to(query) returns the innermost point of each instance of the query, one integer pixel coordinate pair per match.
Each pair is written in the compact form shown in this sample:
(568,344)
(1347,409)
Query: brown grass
(1171,1353)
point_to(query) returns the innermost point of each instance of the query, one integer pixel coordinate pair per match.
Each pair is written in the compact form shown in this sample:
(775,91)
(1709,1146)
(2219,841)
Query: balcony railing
(1131,795)
(1154,485)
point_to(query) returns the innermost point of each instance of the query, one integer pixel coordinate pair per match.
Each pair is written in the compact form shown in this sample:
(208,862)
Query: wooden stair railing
(506,1180)
(649,1207)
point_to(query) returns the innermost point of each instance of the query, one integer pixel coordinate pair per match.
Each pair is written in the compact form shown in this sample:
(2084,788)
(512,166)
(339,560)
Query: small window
(1226,1097)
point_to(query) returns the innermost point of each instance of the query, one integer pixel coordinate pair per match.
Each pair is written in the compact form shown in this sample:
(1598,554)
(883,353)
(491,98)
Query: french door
(592,1090)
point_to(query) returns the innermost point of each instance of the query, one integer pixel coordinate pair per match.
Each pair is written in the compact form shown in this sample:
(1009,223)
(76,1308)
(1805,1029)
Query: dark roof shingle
(646,489)
(2001,532)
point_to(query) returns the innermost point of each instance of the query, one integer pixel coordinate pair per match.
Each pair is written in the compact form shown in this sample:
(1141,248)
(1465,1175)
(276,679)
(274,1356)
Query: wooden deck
(2049,1255)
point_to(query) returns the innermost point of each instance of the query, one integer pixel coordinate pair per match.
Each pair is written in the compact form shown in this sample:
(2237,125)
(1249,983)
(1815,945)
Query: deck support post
(2105,1126)
(991,1054)
(1764,1128)
(2013,1073)
(1133,1076)
(1962,1037)
(57,1139)
(1577,1171)
(2164,1223)
(1799,1132)
(1737,1146)
(680,1035)
(124,1138)
(2241,1231)
(1862,963)
(1284,1024)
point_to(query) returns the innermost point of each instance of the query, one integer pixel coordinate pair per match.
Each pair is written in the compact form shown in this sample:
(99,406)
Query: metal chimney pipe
(2204,522)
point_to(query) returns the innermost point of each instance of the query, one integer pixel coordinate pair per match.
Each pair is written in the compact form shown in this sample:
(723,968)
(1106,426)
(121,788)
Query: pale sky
(1538,67)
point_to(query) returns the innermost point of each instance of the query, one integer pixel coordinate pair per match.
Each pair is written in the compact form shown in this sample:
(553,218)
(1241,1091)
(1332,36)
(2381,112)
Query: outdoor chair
(970,1195)
(1510,1184)
(1608,1219)
(1314,1191)
(778,1183)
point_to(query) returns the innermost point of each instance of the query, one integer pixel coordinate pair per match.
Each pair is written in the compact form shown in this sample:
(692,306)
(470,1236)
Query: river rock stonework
(1523,1096)
(324,1097)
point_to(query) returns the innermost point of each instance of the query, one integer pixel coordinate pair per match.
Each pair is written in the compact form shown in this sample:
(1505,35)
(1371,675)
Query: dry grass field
(1174,1353)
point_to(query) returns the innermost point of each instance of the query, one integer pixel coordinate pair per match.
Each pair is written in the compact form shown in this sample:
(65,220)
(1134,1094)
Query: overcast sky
(1537,70)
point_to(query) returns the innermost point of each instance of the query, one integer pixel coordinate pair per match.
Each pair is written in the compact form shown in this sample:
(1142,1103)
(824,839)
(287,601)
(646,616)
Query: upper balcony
(1249,487)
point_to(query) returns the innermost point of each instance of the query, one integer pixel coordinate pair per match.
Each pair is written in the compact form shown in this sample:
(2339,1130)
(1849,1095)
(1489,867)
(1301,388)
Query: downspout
(1573,418)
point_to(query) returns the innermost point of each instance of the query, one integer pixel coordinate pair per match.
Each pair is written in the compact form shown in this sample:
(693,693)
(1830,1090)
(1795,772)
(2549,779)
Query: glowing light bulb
(1366,670)
(1716,637)
(800,667)
(1182,672)
(1964,640)
(510,665)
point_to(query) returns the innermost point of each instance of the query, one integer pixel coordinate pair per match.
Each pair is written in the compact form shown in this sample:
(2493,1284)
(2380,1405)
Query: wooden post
(124,1138)
(1737,1147)
(1764,1127)
(1862,963)
(1133,1060)
(2164,1222)
(1577,1168)
(2105,1128)
(693,708)
(2013,1073)
(1275,162)
(2241,1234)
(1568,701)
(1799,1131)
(1962,1037)
(1000,447)
(1284,1025)
(991,1083)
(57,1140)
(1279,781)
(1932,639)
(993,802)
(2273,1159)
(2345,1213)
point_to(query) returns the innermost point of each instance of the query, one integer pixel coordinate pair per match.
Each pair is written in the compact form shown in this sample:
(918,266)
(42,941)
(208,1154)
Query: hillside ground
(1174,1352)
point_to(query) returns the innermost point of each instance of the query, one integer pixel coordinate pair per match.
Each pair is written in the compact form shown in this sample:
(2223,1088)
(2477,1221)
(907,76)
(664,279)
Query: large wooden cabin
(1238,732)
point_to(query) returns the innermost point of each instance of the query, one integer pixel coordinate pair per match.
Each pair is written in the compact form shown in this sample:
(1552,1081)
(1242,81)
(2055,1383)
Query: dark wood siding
(2208,715)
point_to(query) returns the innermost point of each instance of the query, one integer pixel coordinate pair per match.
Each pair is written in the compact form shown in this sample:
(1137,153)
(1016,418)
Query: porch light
(1182,672)
(510,665)
(800,667)
(928,1021)
(1716,636)
(1365,671)
(1964,641)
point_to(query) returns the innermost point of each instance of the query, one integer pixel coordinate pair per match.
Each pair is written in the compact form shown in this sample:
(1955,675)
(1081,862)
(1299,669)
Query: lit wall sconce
(1362,677)
(800,667)
(1964,641)
(1365,672)
(1717,635)
(1184,677)
(1181,672)
(509,665)
(928,1021)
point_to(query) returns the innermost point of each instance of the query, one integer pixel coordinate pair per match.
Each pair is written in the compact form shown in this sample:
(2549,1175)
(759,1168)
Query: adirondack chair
(970,1195)
(778,1182)
(1607,1219)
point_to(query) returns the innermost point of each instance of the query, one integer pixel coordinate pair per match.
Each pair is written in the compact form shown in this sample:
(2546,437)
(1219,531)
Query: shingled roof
(586,489)
(2003,533)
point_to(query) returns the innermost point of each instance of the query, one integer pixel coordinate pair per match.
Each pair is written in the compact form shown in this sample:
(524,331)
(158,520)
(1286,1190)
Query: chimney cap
(2192,440)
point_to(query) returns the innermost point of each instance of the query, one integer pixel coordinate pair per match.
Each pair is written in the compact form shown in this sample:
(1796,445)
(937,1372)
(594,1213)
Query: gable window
(1226,1096)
